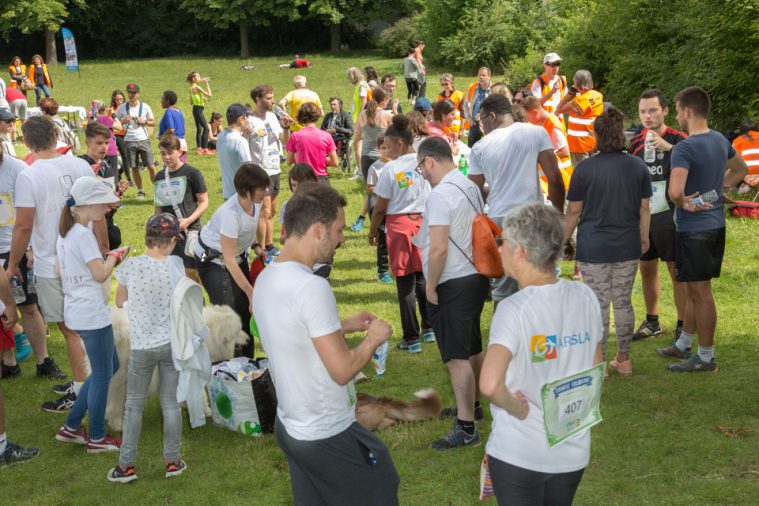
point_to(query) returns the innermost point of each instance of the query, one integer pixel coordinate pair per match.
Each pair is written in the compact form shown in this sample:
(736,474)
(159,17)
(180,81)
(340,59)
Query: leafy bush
(395,40)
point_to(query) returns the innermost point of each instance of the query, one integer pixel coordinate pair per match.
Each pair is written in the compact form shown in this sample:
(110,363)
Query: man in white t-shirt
(232,148)
(3,101)
(507,160)
(41,192)
(266,138)
(136,116)
(456,292)
(333,460)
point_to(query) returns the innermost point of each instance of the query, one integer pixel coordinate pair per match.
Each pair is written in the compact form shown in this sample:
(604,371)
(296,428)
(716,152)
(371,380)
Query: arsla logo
(543,348)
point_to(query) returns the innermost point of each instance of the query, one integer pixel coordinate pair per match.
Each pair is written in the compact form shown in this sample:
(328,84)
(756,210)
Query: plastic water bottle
(379,359)
(463,165)
(17,290)
(649,153)
(31,282)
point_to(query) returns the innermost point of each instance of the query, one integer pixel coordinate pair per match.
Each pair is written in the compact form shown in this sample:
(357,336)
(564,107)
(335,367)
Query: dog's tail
(428,404)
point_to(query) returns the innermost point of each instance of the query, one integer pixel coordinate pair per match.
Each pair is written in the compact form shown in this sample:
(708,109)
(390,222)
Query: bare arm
(677,178)
(195,216)
(565,105)
(100,229)
(121,295)
(117,124)
(10,316)
(493,382)
(332,159)
(357,139)
(22,234)
(290,158)
(438,253)
(229,252)
(736,170)
(479,180)
(563,152)
(550,165)
(645,221)
(572,217)
(380,209)
(100,268)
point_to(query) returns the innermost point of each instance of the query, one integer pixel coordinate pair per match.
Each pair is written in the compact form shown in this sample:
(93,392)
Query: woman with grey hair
(361,92)
(550,330)
(609,197)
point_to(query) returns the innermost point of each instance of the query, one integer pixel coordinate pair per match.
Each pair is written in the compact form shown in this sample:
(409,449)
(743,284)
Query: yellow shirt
(297,98)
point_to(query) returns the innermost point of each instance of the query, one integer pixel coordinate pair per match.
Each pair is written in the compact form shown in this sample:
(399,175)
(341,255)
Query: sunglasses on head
(554,64)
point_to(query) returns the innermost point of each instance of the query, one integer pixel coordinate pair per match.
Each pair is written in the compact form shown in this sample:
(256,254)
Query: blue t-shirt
(172,118)
(705,158)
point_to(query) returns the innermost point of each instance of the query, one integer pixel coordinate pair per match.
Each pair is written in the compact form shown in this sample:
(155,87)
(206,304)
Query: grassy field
(665,439)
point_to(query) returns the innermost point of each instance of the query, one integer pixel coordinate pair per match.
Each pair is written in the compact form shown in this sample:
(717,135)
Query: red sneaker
(107,444)
(78,436)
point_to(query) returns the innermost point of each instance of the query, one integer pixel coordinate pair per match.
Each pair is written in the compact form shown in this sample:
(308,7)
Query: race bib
(171,192)
(270,158)
(658,202)
(571,405)
(7,213)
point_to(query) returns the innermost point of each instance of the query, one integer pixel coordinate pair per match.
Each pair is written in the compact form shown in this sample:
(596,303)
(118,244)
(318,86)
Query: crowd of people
(549,165)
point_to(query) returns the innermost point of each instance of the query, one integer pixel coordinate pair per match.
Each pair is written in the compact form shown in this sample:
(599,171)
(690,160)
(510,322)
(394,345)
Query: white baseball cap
(89,190)
(551,58)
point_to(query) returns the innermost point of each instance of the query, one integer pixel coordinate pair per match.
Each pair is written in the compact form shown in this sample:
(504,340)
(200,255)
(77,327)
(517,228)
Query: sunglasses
(555,64)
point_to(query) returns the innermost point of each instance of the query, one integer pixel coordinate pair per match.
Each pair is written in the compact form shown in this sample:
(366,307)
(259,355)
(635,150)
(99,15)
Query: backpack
(486,257)
(744,209)
(66,135)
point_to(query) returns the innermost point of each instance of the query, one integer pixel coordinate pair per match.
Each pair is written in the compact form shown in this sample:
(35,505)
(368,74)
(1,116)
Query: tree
(31,16)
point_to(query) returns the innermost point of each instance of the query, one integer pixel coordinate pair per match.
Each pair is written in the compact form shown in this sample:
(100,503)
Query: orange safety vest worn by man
(550,87)
(583,104)
(536,115)
(455,96)
(747,145)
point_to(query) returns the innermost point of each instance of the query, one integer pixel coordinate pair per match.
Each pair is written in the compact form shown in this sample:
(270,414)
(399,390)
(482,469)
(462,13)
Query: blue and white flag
(69,44)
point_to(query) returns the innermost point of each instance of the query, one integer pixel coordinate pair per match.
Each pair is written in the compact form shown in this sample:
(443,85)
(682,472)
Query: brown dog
(377,413)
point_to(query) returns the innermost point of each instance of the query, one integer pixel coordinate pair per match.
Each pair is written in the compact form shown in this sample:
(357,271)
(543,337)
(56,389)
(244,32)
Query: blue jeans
(39,89)
(94,393)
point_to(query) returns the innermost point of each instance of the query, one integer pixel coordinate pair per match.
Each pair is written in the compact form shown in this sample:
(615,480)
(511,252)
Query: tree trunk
(51,51)
(334,38)
(244,44)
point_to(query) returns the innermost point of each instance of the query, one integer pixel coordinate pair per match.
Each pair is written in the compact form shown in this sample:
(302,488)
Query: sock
(362,216)
(468,427)
(78,386)
(652,319)
(679,324)
(3,443)
(706,353)
(477,404)
(685,341)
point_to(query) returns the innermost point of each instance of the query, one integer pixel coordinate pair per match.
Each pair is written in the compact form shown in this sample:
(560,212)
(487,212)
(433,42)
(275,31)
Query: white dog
(224,333)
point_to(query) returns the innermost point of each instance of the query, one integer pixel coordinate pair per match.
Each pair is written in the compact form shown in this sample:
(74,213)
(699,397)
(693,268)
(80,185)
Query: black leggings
(201,126)
(121,146)
(413,88)
(412,290)
(516,486)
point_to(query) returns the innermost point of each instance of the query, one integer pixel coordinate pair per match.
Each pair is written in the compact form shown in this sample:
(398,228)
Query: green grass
(665,439)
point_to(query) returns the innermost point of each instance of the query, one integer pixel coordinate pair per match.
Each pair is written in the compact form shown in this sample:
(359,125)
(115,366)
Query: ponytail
(373,106)
(68,219)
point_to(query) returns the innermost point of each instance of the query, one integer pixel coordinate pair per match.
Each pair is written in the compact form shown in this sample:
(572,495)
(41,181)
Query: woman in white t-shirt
(221,253)
(85,308)
(548,331)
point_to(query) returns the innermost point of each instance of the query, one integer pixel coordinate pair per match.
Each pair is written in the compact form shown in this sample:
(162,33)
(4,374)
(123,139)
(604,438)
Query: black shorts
(662,246)
(456,317)
(188,261)
(274,185)
(699,254)
(31,298)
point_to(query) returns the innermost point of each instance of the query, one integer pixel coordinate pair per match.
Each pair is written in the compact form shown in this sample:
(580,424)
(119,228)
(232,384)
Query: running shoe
(272,251)
(140,194)
(646,330)
(23,348)
(11,371)
(672,351)
(107,444)
(694,364)
(50,370)
(428,337)
(78,436)
(118,475)
(175,468)
(384,277)
(358,224)
(457,438)
(414,346)
(15,454)
(62,405)
(453,412)
(64,388)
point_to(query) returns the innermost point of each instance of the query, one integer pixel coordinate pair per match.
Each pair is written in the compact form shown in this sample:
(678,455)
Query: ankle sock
(477,404)
(652,319)
(467,427)
(3,443)
(706,353)
(77,386)
(685,341)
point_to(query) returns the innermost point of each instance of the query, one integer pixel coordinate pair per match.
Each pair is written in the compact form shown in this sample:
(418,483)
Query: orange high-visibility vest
(580,132)
(44,70)
(457,97)
(748,147)
(550,105)
(13,83)
(565,162)
(469,94)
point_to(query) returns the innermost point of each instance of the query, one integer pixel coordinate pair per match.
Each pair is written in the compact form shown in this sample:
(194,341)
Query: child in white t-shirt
(372,176)
(85,309)
(147,282)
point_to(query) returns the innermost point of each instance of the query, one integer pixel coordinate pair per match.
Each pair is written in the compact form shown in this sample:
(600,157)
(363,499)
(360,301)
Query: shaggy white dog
(224,333)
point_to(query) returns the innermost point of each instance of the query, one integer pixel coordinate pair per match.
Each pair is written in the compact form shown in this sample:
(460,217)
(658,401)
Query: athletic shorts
(274,185)
(31,298)
(50,299)
(456,317)
(139,150)
(698,255)
(662,246)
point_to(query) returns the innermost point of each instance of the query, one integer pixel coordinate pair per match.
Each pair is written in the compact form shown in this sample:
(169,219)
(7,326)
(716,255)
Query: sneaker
(428,337)
(62,405)
(272,251)
(694,364)
(414,346)
(456,439)
(64,388)
(78,436)
(140,194)
(358,224)
(673,351)
(50,370)
(678,331)
(23,348)
(11,371)
(118,475)
(15,454)
(646,330)
(384,277)
(453,412)
(107,444)
(175,468)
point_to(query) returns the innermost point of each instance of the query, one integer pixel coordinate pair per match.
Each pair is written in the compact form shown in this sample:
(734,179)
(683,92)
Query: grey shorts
(18,108)
(140,151)
(50,299)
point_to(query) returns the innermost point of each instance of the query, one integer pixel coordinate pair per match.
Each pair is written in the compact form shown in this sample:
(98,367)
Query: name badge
(7,212)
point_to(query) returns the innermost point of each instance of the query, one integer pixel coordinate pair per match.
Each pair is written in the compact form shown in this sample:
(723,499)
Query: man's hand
(184,223)
(645,243)
(432,294)
(12,272)
(373,238)
(694,204)
(358,322)
(29,259)
(331,131)
(127,118)
(556,86)
(140,120)
(659,143)
(379,332)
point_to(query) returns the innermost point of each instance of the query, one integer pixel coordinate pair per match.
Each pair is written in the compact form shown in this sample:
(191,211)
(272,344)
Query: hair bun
(400,122)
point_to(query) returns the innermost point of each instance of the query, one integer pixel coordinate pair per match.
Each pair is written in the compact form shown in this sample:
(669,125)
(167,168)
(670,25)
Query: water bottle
(649,153)
(379,359)
(31,282)
(17,290)
(463,165)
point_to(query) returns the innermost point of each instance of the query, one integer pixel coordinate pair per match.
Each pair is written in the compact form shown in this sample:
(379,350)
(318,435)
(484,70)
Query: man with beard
(332,459)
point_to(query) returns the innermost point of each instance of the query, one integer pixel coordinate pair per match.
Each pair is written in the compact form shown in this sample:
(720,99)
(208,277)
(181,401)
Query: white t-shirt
(233,150)
(567,314)
(265,147)
(3,101)
(508,158)
(134,131)
(230,220)
(10,168)
(372,176)
(310,405)
(403,186)
(45,185)
(447,206)
(150,286)
(84,304)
